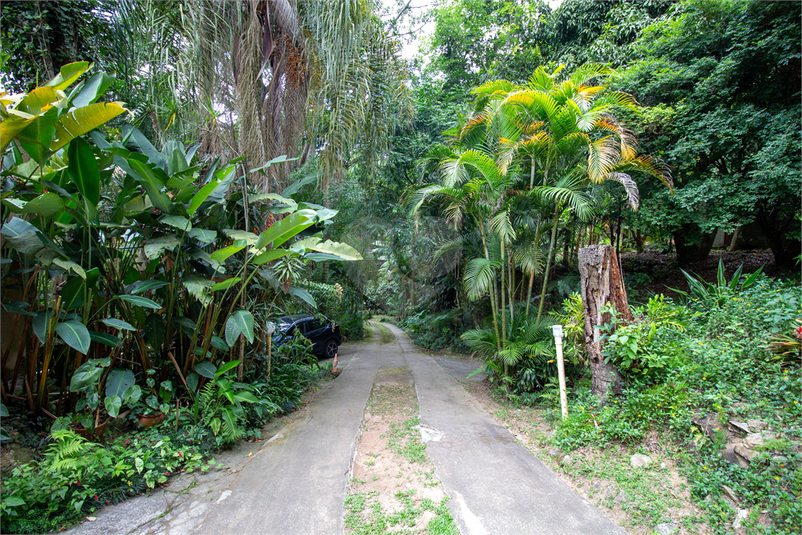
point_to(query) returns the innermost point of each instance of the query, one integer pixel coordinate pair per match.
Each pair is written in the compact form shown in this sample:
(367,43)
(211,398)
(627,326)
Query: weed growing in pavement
(367,517)
(405,441)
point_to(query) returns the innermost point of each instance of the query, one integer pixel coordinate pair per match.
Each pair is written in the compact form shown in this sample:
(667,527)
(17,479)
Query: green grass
(405,441)
(365,517)
(646,497)
(718,365)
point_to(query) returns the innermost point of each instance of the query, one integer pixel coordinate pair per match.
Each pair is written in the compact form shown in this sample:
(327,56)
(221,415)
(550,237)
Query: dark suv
(322,331)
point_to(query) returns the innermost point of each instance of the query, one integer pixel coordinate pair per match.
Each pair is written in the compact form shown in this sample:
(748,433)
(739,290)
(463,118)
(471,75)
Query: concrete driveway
(295,481)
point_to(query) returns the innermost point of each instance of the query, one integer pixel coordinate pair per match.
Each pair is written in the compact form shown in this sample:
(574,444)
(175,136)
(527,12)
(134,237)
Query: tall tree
(565,128)
(301,77)
(598,31)
(722,80)
(475,41)
(40,36)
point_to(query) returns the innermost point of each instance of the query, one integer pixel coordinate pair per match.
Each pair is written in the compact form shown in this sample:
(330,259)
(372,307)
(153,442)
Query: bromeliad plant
(721,291)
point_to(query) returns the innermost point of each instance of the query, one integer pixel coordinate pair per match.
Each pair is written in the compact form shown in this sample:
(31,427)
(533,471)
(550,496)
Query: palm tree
(471,185)
(558,130)
(262,78)
(565,128)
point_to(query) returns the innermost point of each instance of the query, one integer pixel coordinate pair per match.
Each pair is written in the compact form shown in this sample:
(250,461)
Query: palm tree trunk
(503,304)
(493,310)
(532,274)
(548,261)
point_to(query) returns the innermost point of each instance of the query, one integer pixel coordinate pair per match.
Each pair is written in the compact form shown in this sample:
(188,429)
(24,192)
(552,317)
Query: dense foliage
(711,355)
(251,159)
(721,80)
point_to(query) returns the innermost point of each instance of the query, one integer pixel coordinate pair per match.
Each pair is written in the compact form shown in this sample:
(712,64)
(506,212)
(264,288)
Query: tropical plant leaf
(343,251)
(240,322)
(246,397)
(205,369)
(116,323)
(269,256)
(30,241)
(261,197)
(152,184)
(201,196)
(139,301)
(105,338)
(237,235)
(81,120)
(203,235)
(97,84)
(226,284)
(303,295)
(41,323)
(68,74)
(119,381)
(156,246)
(219,344)
(146,286)
(221,255)
(176,221)
(113,405)
(480,273)
(69,265)
(75,334)
(226,367)
(44,205)
(283,230)
(199,288)
(83,170)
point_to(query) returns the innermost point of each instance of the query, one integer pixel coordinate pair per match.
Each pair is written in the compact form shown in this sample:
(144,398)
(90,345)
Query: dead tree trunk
(601,284)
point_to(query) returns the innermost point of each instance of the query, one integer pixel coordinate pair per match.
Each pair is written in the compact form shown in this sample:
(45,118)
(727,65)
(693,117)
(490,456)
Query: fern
(219,416)
(68,451)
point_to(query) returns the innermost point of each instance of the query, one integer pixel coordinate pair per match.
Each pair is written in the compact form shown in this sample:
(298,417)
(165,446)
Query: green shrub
(717,363)
(437,331)
(646,345)
(76,477)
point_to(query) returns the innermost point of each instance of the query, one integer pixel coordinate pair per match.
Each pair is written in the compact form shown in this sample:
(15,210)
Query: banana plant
(52,197)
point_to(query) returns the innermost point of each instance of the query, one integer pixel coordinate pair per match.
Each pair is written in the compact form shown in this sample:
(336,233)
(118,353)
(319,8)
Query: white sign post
(557,330)
(270,328)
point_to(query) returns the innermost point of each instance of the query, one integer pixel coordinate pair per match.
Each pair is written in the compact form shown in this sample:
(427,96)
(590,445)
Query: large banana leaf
(29,240)
(44,205)
(283,230)
(80,121)
(68,74)
(342,251)
(83,170)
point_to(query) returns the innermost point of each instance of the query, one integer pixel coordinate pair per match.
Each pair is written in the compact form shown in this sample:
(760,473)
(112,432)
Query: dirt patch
(653,272)
(393,487)
(637,499)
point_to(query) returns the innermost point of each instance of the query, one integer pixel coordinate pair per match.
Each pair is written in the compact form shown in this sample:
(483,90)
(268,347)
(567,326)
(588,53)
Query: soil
(654,272)
(390,458)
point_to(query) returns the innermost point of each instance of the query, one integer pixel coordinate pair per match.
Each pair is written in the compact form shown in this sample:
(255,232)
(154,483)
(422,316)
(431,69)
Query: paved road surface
(295,482)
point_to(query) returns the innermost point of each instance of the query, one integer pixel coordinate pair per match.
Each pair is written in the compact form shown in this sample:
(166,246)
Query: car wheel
(330,349)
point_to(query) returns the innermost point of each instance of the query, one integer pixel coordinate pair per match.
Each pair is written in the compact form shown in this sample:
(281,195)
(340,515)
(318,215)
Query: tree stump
(601,284)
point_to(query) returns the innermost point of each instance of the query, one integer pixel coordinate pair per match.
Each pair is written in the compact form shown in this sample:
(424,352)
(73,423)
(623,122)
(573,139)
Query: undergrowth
(715,356)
